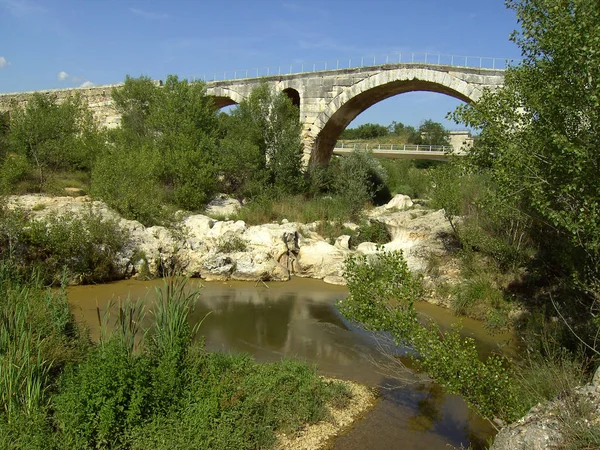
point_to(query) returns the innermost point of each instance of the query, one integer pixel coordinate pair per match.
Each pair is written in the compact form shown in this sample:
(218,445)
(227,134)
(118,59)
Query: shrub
(370,231)
(358,179)
(82,248)
(268,125)
(382,295)
(51,137)
(128,181)
(103,397)
(405,177)
(231,244)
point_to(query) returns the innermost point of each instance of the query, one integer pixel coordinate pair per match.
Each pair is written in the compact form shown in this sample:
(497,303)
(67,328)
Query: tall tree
(267,125)
(433,133)
(540,133)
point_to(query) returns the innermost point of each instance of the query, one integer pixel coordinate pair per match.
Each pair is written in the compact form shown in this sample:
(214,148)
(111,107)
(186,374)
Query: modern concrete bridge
(330,98)
(397,151)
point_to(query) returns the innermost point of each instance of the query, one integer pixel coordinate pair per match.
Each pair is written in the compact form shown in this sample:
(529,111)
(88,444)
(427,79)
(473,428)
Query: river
(299,319)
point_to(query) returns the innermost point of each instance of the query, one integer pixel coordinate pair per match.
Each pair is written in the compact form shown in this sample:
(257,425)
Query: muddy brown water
(299,319)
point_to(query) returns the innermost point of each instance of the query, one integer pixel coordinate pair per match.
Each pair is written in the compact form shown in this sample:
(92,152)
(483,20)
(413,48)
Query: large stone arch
(224,96)
(349,103)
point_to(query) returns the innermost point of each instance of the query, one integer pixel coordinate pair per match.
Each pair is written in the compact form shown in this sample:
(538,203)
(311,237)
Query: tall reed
(23,369)
(172,333)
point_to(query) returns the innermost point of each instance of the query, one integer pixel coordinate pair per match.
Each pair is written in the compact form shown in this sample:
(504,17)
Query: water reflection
(299,319)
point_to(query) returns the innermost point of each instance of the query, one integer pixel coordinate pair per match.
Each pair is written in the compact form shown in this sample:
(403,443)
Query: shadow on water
(299,319)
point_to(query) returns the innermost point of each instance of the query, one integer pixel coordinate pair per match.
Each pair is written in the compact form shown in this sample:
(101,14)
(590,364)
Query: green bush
(128,181)
(382,295)
(267,125)
(81,248)
(231,245)
(358,179)
(370,231)
(233,402)
(404,177)
(50,137)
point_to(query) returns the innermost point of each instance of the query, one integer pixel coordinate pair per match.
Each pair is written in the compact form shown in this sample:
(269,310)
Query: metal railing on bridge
(475,62)
(393,147)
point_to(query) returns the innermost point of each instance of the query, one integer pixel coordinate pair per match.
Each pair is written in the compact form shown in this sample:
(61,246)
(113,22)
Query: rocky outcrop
(212,249)
(547,425)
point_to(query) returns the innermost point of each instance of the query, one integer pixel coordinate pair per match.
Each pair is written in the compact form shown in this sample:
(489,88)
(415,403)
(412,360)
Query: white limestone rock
(318,259)
(399,201)
(223,205)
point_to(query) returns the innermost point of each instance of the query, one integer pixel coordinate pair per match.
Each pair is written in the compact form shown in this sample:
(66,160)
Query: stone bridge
(328,100)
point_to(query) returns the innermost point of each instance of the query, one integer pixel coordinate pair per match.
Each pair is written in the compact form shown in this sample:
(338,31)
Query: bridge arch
(348,104)
(293,95)
(224,96)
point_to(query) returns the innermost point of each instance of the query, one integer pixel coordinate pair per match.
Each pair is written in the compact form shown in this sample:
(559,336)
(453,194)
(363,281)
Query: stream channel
(299,319)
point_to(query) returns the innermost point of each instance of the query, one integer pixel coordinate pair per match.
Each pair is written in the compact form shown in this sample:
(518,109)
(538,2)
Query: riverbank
(318,435)
(299,319)
(210,249)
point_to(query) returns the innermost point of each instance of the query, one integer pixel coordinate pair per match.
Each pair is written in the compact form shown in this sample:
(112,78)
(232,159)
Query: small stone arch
(293,95)
(224,96)
(348,104)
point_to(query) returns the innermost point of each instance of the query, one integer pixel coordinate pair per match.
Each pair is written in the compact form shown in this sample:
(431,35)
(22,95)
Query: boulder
(541,428)
(343,242)
(318,259)
(399,201)
(223,205)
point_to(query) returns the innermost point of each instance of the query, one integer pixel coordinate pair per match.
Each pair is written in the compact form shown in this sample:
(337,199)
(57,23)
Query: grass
(295,209)
(408,177)
(579,431)
(231,244)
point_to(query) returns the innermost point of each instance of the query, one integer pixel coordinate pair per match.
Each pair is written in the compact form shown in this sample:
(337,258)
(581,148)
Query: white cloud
(87,84)
(3,62)
(62,76)
(149,14)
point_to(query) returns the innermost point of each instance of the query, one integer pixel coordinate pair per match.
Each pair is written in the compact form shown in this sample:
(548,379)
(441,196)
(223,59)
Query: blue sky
(65,43)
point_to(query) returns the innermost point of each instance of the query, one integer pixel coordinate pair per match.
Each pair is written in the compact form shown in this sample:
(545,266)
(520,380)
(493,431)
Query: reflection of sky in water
(298,319)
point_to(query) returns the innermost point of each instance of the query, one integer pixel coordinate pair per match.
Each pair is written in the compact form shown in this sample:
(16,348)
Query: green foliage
(405,177)
(357,179)
(128,181)
(134,101)
(539,133)
(382,296)
(410,134)
(370,231)
(83,247)
(164,151)
(231,244)
(233,402)
(45,137)
(365,131)
(433,133)
(102,397)
(267,125)
(480,216)
(266,209)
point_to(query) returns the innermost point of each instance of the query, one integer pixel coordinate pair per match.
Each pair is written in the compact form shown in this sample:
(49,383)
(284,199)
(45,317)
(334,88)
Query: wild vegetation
(428,133)
(154,388)
(524,209)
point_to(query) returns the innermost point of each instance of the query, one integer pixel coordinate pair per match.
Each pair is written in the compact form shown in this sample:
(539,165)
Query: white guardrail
(475,62)
(394,147)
